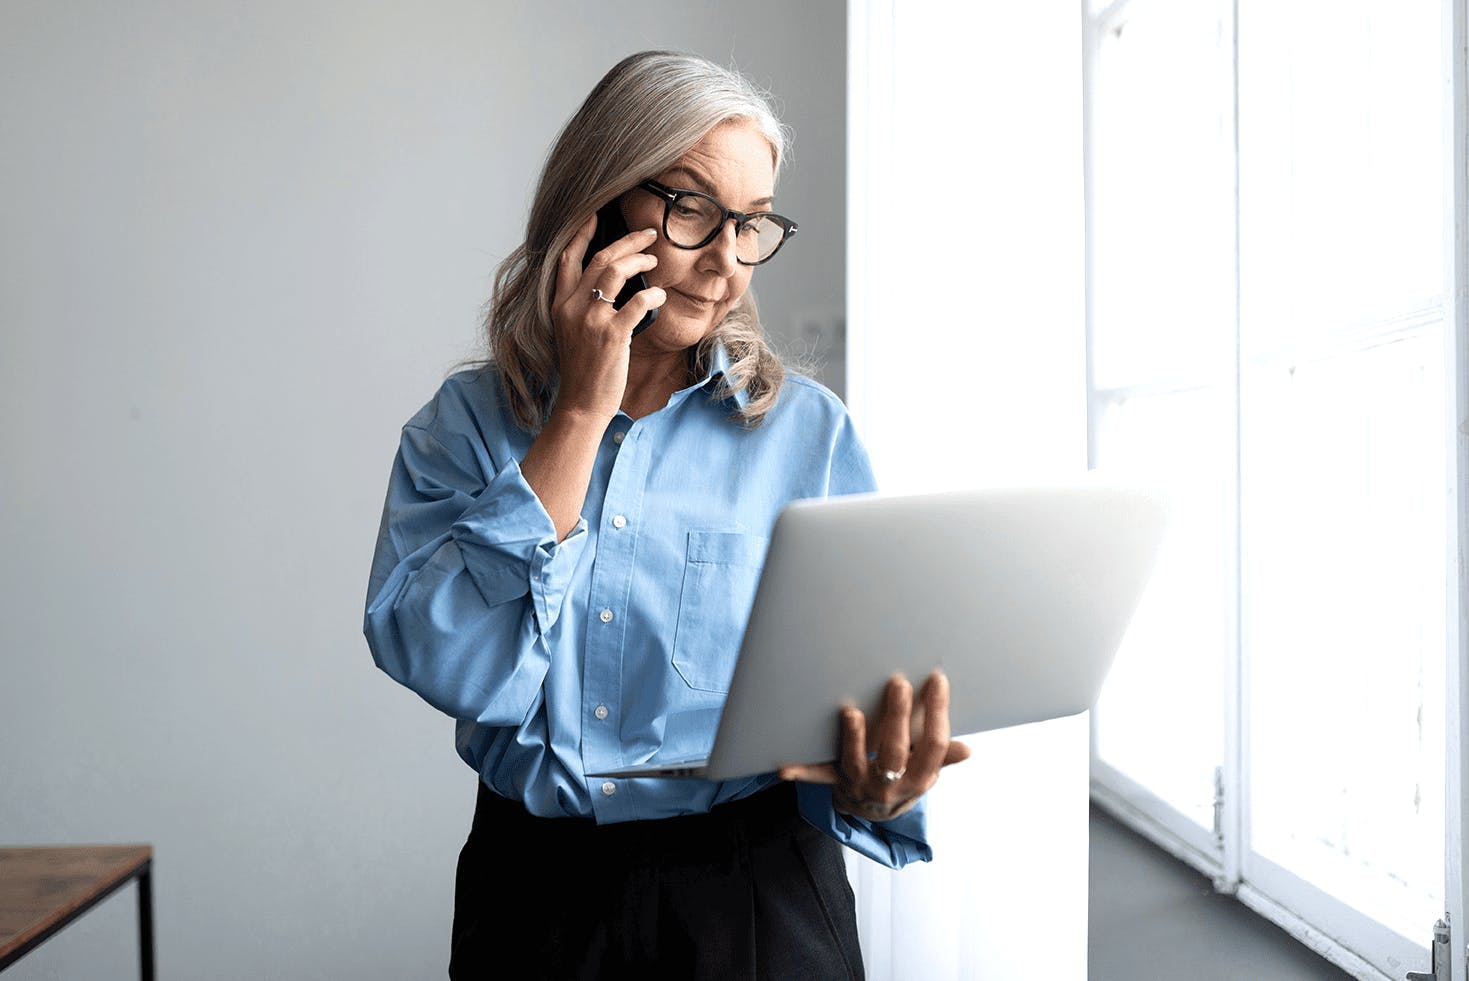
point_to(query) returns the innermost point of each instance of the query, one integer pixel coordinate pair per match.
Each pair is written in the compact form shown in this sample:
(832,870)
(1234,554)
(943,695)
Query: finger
(933,746)
(568,267)
(615,275)
(642,301)
(810,773)
(893,732)
(629,244)
(958,752)
(854,744)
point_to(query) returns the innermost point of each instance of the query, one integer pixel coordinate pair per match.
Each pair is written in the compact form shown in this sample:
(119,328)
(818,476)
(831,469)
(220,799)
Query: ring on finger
(597,295)
(891,776)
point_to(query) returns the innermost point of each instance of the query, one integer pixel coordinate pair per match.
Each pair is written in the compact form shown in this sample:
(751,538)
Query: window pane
(1341,159)
(1160,719)
(1345,530)
(1162,195)
(1343,446)
(1162,352)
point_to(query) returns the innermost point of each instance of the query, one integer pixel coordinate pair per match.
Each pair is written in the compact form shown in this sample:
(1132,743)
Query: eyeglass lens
(691,219)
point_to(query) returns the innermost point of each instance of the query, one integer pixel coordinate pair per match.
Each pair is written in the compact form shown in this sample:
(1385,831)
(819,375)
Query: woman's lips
(694,298)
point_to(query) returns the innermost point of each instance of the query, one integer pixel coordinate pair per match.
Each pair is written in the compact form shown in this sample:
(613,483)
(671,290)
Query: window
(1272,338)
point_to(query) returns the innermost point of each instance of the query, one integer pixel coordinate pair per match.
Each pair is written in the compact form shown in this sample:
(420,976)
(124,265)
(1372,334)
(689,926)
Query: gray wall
(239,246)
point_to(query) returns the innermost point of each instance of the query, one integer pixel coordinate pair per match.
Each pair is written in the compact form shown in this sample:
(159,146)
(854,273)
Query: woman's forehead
(733,162)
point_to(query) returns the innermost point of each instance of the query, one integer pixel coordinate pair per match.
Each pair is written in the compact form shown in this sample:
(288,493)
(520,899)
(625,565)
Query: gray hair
(646,113)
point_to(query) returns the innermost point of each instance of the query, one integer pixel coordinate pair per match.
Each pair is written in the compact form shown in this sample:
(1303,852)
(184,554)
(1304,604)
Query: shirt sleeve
(904,839)
(892,843)
(850,470)
(466,579)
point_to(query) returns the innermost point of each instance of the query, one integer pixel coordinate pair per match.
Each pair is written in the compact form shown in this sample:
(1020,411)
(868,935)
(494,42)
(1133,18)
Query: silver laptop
(1021,595)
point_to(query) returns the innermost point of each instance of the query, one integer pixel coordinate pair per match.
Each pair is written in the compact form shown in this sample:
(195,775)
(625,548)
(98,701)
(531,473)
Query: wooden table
(44,889)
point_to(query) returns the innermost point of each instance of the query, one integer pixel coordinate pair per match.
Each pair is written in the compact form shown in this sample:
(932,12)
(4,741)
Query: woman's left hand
(881,788)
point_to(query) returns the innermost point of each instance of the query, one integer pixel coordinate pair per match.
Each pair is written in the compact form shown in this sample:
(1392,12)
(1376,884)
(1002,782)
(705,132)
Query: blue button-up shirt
(614,646)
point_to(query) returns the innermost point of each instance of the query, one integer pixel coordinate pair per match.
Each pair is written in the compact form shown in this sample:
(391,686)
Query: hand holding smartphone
(611,226)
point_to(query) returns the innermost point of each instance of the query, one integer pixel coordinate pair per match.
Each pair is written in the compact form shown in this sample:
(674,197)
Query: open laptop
(1021,595)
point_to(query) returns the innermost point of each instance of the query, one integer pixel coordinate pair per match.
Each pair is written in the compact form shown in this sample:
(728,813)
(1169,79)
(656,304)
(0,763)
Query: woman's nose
(719,255)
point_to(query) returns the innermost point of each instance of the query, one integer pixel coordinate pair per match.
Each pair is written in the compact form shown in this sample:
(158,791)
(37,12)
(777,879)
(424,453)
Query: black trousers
(747,891)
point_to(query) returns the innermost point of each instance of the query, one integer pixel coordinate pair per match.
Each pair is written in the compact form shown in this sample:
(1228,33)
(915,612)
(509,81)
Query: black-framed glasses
(692,219)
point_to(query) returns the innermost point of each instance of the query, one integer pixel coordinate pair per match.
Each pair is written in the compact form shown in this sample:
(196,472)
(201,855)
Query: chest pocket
(719,579)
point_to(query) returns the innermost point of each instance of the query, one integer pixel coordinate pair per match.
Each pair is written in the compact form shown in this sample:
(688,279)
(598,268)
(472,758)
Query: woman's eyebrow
(702,184)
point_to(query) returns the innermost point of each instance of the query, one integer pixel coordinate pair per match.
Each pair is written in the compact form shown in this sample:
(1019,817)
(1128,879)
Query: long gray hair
(644,114)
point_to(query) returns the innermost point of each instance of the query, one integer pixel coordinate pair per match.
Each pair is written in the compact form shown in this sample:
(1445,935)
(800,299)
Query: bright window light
(1269,331)
(1343,503)
(1162,369)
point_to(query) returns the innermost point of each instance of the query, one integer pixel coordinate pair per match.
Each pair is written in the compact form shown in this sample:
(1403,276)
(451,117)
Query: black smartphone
(611,226)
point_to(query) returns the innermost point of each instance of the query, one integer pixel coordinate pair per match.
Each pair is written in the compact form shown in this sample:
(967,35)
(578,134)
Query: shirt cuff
(509,545)
(892,843)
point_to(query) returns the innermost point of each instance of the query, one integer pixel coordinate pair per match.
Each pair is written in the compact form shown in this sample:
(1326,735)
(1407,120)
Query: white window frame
(1456,719)
(1313,917)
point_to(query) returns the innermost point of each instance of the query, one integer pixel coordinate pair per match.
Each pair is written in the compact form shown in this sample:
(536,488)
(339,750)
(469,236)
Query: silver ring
(892,776)
(597,295)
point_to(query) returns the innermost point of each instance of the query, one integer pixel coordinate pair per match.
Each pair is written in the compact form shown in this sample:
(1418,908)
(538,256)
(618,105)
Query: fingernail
(650,231)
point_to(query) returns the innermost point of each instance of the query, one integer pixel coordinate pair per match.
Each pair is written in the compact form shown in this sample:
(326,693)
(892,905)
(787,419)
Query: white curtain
(966,367)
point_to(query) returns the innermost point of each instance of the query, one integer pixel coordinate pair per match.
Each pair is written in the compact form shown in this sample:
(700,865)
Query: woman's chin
(676,331)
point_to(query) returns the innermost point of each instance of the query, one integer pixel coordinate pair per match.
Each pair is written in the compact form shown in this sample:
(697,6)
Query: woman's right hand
(591,337)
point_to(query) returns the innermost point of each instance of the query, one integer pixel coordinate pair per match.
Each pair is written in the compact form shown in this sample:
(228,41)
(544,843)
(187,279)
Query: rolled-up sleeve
(467,577)
(892,843)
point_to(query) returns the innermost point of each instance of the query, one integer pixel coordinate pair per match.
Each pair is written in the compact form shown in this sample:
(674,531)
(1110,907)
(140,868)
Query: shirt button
(600,711)
(618,437)
(609,788)
(618,521)
(606,616)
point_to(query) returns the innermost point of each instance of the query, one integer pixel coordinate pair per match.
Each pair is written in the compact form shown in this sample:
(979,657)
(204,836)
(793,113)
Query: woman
(568,552)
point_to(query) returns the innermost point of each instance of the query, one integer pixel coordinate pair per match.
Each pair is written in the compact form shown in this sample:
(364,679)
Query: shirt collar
(718,367)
